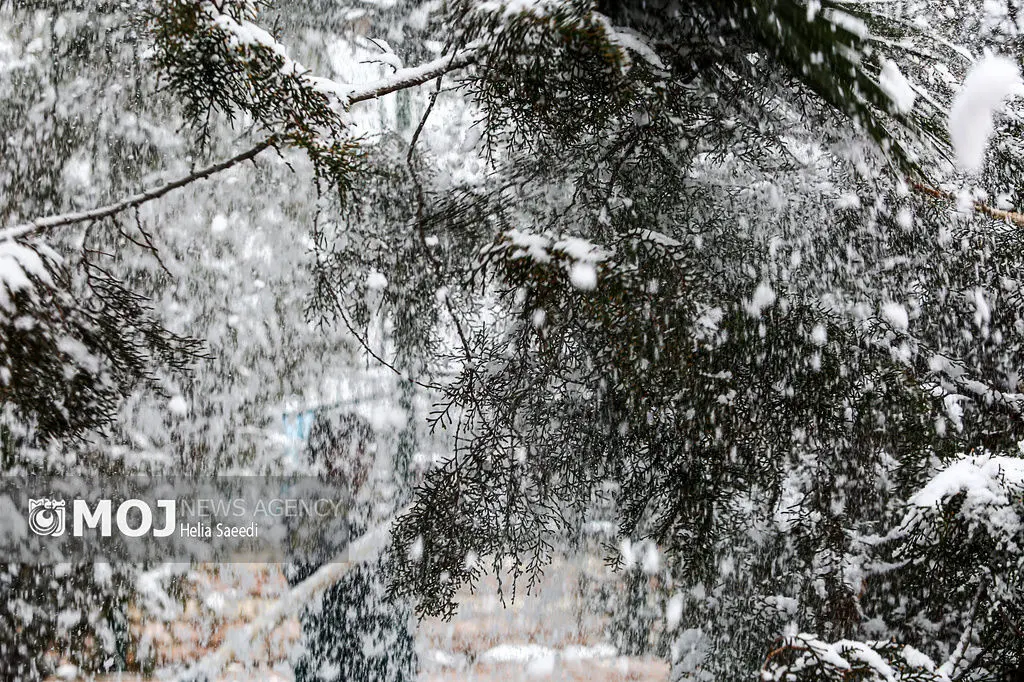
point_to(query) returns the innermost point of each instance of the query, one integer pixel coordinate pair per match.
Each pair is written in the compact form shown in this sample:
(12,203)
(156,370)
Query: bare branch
(50,222)
(983,208)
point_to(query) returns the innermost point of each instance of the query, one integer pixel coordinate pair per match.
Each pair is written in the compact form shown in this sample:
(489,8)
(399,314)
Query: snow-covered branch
(400,80)
(413,76)
(362,549)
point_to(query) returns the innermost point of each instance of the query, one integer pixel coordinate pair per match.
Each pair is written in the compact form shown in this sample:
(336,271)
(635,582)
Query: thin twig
(420,207)
(365,345)
(51,222)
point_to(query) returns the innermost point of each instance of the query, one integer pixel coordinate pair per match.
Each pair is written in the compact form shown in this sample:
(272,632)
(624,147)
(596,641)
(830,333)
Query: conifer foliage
(700,263)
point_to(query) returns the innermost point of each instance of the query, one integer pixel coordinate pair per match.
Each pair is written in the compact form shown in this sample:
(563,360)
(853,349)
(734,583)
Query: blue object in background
(296,426)
(296,430)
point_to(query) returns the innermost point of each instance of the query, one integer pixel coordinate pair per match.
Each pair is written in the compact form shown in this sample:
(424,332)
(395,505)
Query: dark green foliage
(687,289)
(68,360)
(219,61)
(70,613)
(75,338)
(733,368)
(339,628)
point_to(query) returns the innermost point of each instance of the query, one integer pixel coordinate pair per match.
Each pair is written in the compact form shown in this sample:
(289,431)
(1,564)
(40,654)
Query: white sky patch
(988,83)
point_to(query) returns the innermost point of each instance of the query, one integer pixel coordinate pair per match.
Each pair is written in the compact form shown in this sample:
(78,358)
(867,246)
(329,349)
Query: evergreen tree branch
(400,80)
(413,76)
(421,204)
(950,666)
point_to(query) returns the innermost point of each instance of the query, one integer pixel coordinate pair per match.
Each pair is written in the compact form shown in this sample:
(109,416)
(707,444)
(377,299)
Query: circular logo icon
(46,517)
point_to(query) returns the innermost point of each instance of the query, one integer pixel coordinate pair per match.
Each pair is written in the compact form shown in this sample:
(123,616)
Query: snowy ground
(549,635)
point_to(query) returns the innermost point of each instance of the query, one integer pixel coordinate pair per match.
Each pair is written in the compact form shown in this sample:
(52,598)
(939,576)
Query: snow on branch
(246,34)
(412,76)
(988,487)
(804,656)
(988,83)
(400,80)
(364,548)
